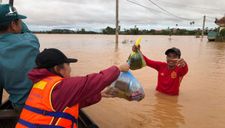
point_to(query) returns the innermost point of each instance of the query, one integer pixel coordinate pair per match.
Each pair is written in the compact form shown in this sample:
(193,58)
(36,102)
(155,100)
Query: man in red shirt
(170,73)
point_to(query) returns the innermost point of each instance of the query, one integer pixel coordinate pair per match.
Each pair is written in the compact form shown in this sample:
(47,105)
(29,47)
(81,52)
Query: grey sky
(97,14)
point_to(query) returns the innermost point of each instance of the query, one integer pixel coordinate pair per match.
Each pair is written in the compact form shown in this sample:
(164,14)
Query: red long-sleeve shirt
(168,79)
(85,90)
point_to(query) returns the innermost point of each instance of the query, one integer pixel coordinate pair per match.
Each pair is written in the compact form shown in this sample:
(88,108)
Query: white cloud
(96,14)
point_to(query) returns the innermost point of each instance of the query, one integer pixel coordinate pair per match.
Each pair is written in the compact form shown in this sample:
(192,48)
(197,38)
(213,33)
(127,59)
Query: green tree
(109,30)
(222,32)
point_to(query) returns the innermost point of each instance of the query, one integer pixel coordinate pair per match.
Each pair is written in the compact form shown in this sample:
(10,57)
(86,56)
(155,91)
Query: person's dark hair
(6,26)
(16,21)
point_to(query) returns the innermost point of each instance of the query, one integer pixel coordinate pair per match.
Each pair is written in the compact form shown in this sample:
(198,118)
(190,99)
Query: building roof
(220,22)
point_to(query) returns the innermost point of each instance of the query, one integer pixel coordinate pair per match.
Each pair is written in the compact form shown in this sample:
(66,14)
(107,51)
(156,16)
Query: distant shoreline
(131,31)
(108,34)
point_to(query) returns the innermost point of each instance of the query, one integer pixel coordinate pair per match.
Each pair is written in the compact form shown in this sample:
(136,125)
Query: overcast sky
(97,14)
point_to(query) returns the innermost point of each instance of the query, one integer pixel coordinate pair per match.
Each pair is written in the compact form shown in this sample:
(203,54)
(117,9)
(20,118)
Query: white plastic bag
(127,87)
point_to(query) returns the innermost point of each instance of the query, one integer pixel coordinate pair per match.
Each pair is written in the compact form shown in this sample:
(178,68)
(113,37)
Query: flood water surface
(201,103)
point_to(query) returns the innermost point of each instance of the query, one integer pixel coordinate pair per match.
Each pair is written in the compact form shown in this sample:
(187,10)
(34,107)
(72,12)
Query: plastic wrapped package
(136,59)
(127,87)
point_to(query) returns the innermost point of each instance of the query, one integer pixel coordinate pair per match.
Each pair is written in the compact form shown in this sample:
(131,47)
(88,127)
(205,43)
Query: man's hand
(110,92)
(135,48)
(181,62)
(106,95)
(124,67)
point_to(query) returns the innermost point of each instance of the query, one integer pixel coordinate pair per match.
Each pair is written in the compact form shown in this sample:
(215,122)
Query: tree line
(131,31)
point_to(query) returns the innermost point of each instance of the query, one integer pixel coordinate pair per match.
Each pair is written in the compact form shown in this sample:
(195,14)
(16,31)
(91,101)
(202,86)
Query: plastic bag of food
(127,87)
(136,59)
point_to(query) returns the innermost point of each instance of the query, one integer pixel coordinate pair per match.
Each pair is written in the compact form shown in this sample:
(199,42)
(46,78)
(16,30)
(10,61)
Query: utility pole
(11,2)
(117,22)
(203,26)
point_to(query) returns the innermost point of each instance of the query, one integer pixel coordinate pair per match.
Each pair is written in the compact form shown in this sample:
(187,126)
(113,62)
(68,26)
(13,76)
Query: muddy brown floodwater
(201,103)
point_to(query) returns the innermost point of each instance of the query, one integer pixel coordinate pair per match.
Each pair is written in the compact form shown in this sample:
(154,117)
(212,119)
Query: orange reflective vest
(38,110)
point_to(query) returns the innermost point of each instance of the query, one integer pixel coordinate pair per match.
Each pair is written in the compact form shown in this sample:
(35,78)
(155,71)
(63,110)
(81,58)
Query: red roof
(220,22)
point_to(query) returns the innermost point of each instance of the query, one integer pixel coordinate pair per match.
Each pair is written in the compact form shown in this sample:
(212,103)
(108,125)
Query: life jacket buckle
(45,113)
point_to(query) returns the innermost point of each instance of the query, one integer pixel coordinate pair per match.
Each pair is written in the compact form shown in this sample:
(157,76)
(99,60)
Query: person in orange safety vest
(56,97)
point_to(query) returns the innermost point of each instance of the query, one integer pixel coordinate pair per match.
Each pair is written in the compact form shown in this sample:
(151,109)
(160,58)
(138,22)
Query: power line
(164,11)
(150,9)
(189,6)
(144,6)
(179,4)
(170,12)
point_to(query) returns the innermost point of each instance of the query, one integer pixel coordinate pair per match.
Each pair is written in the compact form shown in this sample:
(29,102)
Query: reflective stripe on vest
(38,111)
